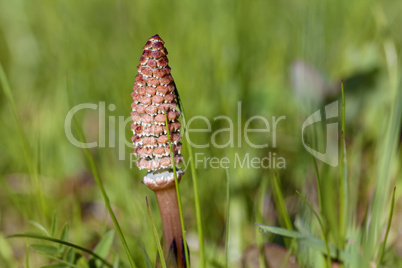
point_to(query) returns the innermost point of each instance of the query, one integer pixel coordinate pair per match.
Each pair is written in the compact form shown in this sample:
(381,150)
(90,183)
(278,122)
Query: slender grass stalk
(319,189)
(343,187)
(186,253)
(281,204)
(195,189)
(293,243)
(391,212)
(259,218)
(283,212)
(227,216)
(155,232)
(28,155)
(54,225)
(328,258)
(197,204)
(98,181)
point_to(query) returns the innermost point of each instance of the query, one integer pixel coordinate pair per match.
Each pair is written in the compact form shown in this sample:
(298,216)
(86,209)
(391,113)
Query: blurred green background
(278,58)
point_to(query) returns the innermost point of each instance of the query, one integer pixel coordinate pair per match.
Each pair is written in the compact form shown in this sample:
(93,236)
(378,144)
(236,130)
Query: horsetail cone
(153,97)
(154,103)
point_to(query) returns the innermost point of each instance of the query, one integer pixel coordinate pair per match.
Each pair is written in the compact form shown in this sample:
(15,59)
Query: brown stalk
(172,232)
(165,192)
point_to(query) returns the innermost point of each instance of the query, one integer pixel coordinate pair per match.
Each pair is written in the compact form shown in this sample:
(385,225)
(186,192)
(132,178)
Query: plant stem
(343,199)
(172,232)
(227,217)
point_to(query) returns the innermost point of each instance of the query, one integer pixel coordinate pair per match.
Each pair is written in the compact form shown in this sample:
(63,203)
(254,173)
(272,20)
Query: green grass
(227,231)
(195,188)
(220,52)
(176,183)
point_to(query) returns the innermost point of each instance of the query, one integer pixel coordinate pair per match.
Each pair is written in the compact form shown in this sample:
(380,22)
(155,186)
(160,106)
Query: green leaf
(307,240)
(280,231)
(70,255)
(82,263)
(103,247)
(6,252)
(64,235)
(40,227)
(391,212)
(45,248)
(55,222)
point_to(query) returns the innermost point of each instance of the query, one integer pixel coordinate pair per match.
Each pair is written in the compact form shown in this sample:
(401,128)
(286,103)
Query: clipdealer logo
(117,137)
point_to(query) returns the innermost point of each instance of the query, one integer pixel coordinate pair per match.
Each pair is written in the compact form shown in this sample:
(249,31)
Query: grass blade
(307,240)
(281,204)
(186,253)
(319,189)
(103,246)
(278,196)
(55,222)
(391,212)
(160,251)
(47,249)
(280,231)
(227,216)
(259,218)
(195,190)
(343,182)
